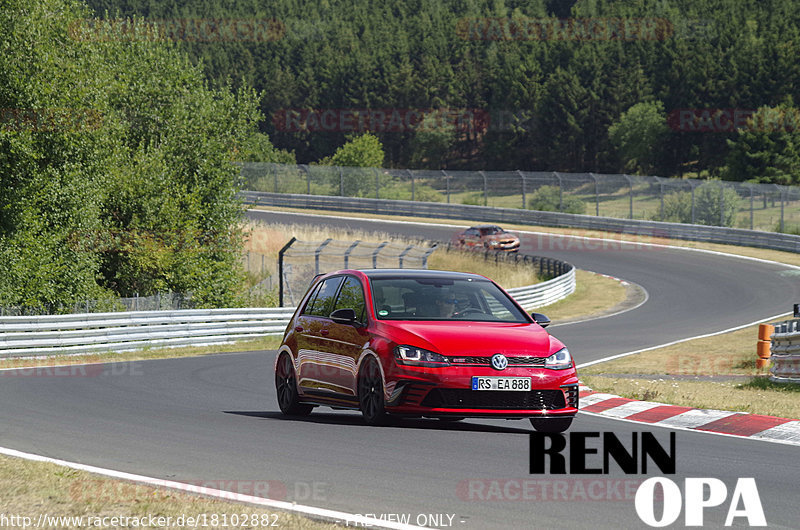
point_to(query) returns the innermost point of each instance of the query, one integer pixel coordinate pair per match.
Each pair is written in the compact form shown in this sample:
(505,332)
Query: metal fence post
(630,187)
(308,179)
(348,251)
(783,196)
(375,254)
(485,188)
(521,176)
(377,184)
(721,204)
(596,194)
(560,192)
(412,184)
(280,269)
(317,252)
(693,210)
(275,177)
(341,182)
(447,184)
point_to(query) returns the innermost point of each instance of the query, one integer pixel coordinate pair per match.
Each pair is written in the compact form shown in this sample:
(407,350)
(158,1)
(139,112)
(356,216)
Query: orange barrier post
(765,331)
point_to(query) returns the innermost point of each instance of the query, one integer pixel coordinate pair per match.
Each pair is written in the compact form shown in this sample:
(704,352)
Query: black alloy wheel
(370,393)
(286,387)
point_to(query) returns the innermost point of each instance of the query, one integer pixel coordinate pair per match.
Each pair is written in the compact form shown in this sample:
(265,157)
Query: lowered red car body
(423,343)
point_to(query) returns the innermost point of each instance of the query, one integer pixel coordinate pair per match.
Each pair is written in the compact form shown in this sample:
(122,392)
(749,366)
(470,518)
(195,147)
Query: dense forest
(589,85)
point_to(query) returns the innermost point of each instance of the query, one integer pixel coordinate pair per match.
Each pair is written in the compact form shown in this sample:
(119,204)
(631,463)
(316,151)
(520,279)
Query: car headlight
(409,355)
(560,360)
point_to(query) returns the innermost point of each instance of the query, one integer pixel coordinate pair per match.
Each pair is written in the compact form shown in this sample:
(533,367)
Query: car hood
(475,338)
(501,237)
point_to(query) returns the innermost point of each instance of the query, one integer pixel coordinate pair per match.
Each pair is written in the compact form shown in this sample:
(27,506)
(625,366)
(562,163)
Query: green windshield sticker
(383,312)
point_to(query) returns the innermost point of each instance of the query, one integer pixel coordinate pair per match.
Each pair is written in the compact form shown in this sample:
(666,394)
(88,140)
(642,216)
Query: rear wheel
(286,387)
(370,393)
(551,424)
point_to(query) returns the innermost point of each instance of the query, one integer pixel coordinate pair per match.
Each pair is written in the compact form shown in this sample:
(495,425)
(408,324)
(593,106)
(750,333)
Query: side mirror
(344,316)
(541,319)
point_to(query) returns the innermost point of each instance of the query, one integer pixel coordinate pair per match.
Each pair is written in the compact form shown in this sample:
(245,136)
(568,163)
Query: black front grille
(487,361)
(456,398)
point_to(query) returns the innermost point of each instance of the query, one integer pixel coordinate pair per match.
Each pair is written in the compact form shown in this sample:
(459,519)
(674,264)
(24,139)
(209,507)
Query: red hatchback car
(423,343)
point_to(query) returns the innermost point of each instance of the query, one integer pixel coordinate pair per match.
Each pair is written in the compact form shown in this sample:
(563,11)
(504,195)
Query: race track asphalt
(214,419)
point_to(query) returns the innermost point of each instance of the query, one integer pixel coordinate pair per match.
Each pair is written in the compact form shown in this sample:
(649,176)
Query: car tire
(551,424)
(286,389)
(370,393)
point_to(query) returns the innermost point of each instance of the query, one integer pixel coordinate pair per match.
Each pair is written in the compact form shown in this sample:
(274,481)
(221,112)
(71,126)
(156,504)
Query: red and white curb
(755,426)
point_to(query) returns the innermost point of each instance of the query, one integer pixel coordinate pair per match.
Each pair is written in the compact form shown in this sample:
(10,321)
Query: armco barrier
(93,332)
(654,229)
(785,352)
(98,332)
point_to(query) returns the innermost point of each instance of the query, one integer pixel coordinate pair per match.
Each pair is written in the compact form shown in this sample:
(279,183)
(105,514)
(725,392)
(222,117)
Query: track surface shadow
(402,423)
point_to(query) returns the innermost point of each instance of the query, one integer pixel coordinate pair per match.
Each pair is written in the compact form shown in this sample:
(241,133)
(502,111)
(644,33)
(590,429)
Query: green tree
(362,151)
(767,149)
(638,135)
(119,178)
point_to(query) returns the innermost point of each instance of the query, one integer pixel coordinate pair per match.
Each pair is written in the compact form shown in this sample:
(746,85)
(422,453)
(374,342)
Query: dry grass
(755,398)
(728,354)
(30,489)
(692,374)
(508,274)
(594,294)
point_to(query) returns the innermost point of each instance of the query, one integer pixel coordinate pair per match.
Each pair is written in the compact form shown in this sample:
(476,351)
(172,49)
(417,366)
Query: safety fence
(785,352)
(766,207)
(653,229)
(300,261)
(113,332)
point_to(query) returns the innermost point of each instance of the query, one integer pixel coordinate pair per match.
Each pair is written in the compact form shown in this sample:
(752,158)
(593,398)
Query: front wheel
(370,393)
(286,387)
(551,424)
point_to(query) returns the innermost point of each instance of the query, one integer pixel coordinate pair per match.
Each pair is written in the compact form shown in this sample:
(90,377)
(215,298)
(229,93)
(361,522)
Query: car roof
(418,273)
(485,226)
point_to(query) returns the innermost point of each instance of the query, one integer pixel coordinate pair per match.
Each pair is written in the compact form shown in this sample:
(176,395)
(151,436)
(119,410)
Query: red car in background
(489,237)
(423,343)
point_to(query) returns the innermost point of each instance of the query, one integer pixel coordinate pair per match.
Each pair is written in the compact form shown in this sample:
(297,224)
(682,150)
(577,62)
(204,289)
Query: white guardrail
(99,332)
(785,352)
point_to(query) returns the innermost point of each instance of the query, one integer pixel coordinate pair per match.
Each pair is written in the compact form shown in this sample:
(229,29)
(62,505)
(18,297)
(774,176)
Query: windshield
(492,230)
(466,299)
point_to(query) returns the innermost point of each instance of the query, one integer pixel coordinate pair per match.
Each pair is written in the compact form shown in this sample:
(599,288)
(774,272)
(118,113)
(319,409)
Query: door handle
(323,332)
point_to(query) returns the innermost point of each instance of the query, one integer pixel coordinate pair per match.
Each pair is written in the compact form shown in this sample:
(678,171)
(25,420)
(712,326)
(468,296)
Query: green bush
(548,199)
(678,206)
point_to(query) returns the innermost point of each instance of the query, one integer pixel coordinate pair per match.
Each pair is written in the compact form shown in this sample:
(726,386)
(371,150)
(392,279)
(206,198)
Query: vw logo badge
(499,361)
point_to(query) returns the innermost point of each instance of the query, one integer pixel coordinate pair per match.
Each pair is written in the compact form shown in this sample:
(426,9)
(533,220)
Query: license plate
(518,384)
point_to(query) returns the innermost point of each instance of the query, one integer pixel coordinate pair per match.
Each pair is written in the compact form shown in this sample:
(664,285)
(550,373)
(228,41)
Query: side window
(351,296)
(321,305)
